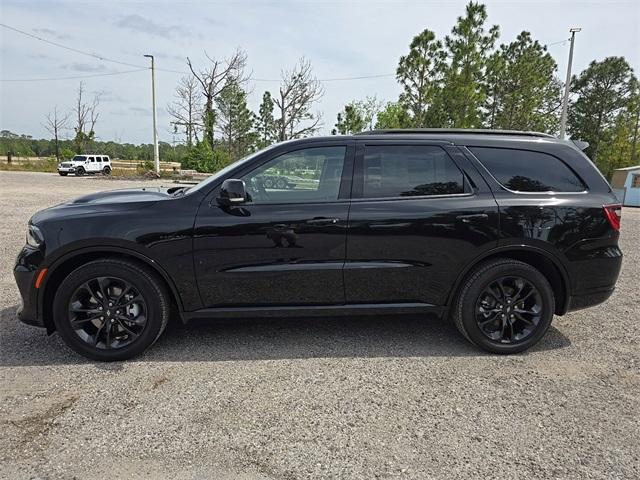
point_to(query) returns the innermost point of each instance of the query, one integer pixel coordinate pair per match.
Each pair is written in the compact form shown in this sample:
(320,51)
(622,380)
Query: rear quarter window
(528,171)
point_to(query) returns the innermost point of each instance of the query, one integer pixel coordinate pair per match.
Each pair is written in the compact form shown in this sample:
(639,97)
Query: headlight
(34,237)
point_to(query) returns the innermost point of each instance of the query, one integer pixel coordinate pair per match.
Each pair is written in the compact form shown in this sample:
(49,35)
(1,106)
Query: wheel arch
(66,264)
(546,263)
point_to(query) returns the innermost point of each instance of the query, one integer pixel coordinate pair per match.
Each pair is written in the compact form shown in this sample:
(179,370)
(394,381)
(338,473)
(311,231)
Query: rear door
(419,213)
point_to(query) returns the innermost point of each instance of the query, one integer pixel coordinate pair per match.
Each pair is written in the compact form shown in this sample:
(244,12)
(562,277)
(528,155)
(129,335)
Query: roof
(455,131)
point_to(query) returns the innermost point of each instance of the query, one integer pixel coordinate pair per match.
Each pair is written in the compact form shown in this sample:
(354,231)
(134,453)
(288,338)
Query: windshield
(79,158)
(221,173)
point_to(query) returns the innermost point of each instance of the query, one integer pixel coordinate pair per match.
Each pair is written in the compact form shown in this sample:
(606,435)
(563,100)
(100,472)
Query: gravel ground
(324,398)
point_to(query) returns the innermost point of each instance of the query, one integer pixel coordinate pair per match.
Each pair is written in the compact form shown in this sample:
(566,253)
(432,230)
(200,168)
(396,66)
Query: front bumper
(25,274)
(66,169)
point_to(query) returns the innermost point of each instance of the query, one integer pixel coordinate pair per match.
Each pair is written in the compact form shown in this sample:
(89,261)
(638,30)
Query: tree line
(464,80)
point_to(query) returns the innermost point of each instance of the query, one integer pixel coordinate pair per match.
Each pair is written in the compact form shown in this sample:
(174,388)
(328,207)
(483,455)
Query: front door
(417,218)
(286,245)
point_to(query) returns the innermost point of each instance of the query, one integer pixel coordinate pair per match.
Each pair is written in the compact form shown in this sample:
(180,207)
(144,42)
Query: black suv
(496,230)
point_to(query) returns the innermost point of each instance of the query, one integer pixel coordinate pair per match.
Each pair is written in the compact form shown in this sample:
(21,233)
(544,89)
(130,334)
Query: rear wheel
(106,170)
(110,310)
(281,184)
(80,171)
(504,306)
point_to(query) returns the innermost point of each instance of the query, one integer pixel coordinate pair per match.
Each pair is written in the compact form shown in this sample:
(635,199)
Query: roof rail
(455,131)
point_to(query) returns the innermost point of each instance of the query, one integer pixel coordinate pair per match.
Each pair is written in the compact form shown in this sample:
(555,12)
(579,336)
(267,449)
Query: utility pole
(156,152)
(567,86)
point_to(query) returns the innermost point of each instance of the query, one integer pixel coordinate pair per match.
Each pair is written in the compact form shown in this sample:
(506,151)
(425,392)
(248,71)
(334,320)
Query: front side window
(79,158)
(408,171)
(307,175)
(528,171)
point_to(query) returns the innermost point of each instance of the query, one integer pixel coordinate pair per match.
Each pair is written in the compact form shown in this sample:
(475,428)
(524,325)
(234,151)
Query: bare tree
(299,90)
(86,117)
(54,124)
(187,110)
(215,78)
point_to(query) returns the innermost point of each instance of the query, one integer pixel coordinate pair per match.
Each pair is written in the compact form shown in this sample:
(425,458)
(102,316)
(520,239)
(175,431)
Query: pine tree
(603,90)
(468,48)
(265,123)
(234,121)
(420,75)
(522,91)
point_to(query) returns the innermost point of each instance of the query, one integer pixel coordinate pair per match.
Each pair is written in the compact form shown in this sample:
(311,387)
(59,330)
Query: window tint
(92,159)
(527,171)
(105,159)
(308,175)
(405,171)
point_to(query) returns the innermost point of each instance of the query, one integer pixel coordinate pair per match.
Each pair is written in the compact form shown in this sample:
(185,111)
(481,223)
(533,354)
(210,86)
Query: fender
(519,247)
(107,249)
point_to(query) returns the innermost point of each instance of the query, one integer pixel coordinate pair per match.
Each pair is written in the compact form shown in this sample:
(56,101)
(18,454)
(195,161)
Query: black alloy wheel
(107,312)
(111,309)
(504,306)
(509,309)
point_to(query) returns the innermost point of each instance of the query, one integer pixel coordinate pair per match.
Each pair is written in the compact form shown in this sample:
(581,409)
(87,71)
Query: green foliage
(420,75)
(393,115)
(235,121)
(522,90)
(264,122)
(357,116)
(462,97)
(604,91)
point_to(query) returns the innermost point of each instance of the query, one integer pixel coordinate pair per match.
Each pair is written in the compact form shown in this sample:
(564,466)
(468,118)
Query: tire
(106,170)
(80,172)
(281,184)
(268,183)
(138,317)
(62,174)
(512,330)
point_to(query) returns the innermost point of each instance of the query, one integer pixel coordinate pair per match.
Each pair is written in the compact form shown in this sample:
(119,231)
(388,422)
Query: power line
(81,52)
(70,77)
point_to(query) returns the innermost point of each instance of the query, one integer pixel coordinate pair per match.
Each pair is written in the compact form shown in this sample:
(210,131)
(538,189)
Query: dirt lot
(342,398)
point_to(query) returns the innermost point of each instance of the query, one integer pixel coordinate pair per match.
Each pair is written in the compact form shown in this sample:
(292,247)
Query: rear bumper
(594,277)
(579,302)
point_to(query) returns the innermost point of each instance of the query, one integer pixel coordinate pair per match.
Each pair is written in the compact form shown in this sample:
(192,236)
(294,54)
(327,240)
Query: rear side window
(528,171)
(105,159)
(407,171)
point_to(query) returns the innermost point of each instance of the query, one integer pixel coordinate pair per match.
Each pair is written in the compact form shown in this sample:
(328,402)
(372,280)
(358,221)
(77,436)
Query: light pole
(156,152)
(567,86)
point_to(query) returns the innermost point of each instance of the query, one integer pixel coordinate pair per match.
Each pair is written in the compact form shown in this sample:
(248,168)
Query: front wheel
(110,309)
(504,306)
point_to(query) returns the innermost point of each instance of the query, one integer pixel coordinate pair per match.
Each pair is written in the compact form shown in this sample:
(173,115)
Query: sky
(349,38)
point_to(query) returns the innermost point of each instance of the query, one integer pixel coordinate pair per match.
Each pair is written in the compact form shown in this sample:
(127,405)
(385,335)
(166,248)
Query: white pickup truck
(81,164)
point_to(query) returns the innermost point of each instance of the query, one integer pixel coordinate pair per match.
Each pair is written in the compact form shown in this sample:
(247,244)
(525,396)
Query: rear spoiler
(581,144)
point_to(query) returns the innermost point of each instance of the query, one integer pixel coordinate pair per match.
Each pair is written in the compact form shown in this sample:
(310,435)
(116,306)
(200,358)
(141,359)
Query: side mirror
(232,192)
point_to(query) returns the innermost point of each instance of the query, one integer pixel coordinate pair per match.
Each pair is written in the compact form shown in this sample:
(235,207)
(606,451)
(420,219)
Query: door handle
(323,221)
(471,218)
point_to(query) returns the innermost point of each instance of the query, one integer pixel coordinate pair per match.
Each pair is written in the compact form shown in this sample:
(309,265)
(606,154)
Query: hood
(102,202)
(145,194)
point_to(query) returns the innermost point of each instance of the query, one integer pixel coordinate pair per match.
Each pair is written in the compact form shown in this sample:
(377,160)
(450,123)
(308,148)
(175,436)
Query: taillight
(613,213)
